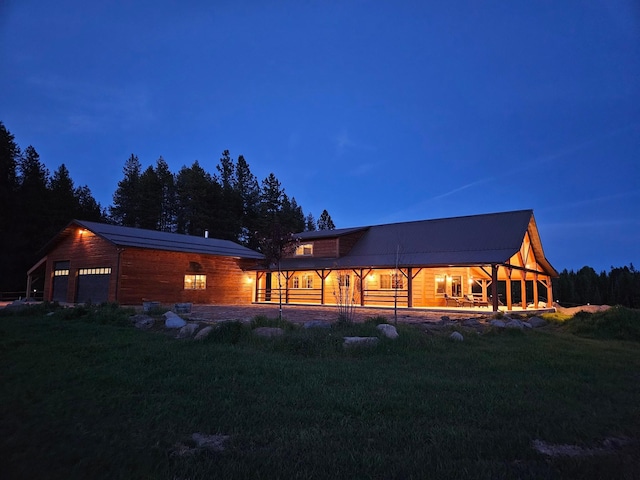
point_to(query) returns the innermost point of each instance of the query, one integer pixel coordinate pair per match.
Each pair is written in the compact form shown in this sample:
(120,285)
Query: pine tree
(150,203)
(325,222)
(126,199)
(63,204)
(246,185)
(310,223)
(196,195)
(9,156)
(168,202)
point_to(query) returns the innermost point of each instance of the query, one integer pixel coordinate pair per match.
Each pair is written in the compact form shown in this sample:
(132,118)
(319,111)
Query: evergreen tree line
(621,286)
(34,206)
(230,204)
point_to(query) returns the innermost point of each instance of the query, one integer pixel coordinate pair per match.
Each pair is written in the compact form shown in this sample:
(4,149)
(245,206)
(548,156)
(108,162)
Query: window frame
(198,281)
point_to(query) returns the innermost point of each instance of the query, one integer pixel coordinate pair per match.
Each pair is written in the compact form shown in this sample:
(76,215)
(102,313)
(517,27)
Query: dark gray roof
(317,234)
(141,238)
(471,240)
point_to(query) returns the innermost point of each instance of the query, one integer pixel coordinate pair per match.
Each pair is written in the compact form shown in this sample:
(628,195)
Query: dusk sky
(377,111)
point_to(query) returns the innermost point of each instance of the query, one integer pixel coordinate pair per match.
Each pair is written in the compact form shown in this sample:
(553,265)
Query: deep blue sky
(377,111)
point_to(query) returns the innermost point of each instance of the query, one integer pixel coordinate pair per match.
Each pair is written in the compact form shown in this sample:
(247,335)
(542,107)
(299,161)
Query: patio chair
(452,301)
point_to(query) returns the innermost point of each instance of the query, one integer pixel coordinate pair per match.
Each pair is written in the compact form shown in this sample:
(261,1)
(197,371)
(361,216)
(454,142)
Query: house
(97,262)
(481,261)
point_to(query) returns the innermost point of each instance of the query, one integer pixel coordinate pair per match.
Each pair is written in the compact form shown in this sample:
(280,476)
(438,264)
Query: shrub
(264,321)
(228,332)
(618,322)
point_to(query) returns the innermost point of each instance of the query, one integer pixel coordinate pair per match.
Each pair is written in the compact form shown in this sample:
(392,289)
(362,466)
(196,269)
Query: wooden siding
(153,275)
(140,274)
(325,248)
(82,249)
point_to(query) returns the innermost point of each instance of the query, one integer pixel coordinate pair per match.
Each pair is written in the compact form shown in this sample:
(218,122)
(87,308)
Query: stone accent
(388,331)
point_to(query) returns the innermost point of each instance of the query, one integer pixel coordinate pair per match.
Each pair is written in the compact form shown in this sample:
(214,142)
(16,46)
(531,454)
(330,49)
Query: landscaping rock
(457,336)
(537,322)
(317,324)
(444,319)
(514,323)
(204,333)
(497,323)
(526,325)
(182,307)
(268,331)
(350,342)
(143,322)
(173,321)
(188,330)
(149,306)
(387,330)
(471,322)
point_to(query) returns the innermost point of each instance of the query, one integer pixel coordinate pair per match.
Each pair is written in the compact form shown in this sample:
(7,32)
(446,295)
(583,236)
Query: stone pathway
(302,314)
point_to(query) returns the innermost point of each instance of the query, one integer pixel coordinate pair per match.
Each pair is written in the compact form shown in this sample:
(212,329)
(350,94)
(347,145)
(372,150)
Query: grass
(88,398)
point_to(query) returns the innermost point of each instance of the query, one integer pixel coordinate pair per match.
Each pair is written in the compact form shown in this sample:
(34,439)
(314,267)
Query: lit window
(344,280)
(195,282)
(61,273)
(391,280)
(440,286)
(295,281)
(305,249)
(307,281)
(95,271)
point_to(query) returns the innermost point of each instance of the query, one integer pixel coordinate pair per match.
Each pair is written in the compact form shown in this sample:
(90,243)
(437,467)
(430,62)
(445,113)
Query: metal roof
(470,240)
(141,238)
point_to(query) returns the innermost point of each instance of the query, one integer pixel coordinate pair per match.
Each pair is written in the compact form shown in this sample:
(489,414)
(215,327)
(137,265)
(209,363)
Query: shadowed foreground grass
(80,399)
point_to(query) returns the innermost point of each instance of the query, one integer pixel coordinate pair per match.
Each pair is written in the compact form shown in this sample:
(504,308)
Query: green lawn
(80,399)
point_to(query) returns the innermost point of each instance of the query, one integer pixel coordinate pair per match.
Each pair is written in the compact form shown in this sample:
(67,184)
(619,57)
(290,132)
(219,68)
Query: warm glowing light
(371,277)
(248,279)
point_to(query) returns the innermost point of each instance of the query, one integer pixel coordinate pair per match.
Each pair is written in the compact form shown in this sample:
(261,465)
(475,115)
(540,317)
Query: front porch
(477,289)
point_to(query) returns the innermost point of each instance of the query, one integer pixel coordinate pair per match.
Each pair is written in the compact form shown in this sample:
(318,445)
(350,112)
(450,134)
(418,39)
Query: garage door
(60,281)
(93,285)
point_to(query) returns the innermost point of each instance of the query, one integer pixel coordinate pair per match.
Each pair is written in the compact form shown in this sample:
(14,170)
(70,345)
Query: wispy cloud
(89,107)
(592,201)
(345,142)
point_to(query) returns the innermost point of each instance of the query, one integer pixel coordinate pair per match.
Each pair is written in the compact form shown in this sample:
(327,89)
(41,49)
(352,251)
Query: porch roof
(460,241)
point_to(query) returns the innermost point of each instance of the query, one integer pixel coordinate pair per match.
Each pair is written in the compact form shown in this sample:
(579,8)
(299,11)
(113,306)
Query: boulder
(350,342)
(143,322)
(514,323)
(526,325)
(204,333)
(173,321)
(317,324)
(471,322)
(497,323)
(188,330)
(537,322)
(456,336)
(268,331)
(387,330)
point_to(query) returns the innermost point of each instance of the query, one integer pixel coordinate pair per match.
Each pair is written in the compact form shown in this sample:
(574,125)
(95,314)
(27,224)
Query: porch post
(535,290)
(523,291)
(549,292)
(494,287)
(409,288)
